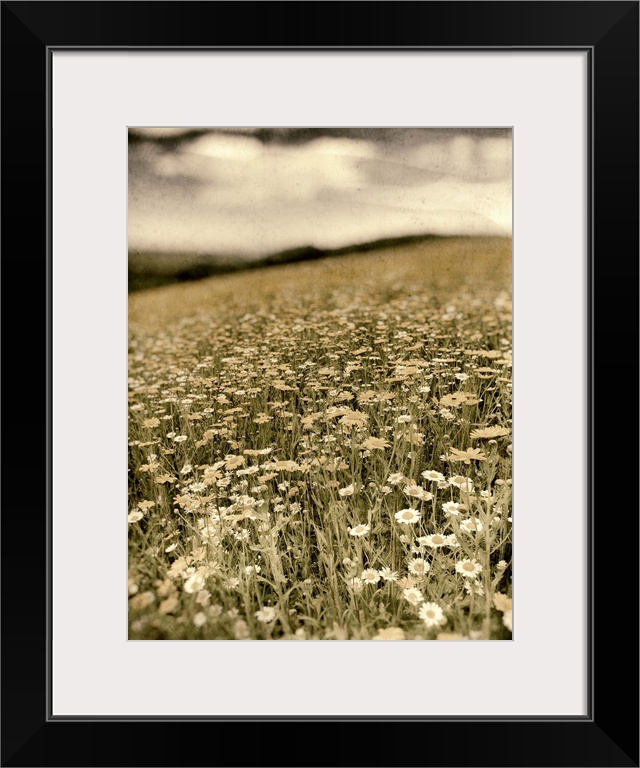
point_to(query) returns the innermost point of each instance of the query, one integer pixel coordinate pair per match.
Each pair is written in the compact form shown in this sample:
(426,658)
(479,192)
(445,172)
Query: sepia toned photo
(320,390)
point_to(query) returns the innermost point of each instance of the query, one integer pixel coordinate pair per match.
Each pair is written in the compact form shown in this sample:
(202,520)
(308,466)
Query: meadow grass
(323,450)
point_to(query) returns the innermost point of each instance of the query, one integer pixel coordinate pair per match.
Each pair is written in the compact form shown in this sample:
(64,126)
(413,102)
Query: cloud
(226,146)
(228,192)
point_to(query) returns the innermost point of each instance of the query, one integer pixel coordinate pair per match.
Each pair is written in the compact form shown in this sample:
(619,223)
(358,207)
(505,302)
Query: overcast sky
(254,191)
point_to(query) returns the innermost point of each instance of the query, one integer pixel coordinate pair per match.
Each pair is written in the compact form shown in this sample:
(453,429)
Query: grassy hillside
(439,266)
(322,450)
(151,269)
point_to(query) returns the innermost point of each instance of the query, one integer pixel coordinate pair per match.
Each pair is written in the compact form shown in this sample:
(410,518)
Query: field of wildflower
(322,450)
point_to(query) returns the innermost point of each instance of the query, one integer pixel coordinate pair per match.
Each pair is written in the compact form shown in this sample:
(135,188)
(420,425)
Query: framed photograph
(320,322)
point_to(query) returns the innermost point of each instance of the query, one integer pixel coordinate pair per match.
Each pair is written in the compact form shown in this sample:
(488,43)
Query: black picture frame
(608,736)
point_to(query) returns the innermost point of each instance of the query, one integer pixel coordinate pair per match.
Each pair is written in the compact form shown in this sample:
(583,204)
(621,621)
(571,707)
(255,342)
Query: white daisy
(451,508)
(413,595)
(389,575)
(432,476)
(433,540)
(431,614)
(464,483)
(194,583)
(418,493)
(266,615)
(469,568)
(471,525)
(369,576)
(407,516)
(359,530)
(419,566)
(473,587)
